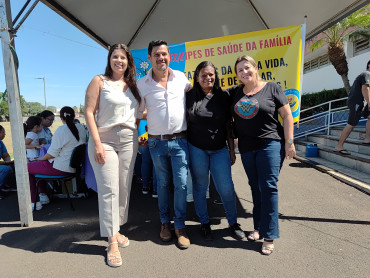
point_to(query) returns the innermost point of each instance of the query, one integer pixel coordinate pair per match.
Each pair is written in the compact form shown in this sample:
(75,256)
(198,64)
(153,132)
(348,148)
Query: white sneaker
(44,199)
(38,206)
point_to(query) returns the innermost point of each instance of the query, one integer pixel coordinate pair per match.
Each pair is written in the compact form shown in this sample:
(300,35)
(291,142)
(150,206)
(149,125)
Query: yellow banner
(278,53)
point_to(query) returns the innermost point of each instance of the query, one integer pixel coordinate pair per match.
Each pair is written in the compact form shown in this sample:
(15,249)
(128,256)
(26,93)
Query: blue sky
(48,46)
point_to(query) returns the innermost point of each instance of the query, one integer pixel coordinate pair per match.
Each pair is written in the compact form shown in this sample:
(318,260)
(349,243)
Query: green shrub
(313,99)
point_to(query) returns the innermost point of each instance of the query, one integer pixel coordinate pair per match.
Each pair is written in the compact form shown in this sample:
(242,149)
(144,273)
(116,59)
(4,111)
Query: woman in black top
(256,106)
(208,115)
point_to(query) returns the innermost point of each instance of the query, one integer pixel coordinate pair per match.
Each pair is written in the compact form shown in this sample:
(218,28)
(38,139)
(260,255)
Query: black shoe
(238,232)
(206,231)
(145,191)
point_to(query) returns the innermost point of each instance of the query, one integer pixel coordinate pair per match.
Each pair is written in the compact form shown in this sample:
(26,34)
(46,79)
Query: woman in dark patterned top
(263,144)
(208,115)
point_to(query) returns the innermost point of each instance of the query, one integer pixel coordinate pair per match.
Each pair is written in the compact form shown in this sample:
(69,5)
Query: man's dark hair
(155,43)
(367,66)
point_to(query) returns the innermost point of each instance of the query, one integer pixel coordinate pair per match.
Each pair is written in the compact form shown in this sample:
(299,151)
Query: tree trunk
(338,59)
(346,83)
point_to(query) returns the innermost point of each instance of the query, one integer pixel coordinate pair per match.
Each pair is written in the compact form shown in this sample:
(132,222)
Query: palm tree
(352,27)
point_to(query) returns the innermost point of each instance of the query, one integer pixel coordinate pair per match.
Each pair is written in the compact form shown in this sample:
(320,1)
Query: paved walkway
(324,225)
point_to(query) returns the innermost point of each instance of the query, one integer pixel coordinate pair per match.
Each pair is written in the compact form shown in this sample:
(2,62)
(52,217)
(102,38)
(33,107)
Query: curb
(364,187)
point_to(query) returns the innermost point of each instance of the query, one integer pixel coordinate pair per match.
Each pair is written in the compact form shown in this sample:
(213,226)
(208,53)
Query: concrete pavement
(324,227)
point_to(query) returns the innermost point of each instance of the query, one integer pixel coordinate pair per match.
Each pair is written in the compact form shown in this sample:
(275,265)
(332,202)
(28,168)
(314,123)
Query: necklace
(253,91)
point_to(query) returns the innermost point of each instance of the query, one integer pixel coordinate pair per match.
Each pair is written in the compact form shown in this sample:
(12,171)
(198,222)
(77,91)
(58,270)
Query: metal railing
(321,118)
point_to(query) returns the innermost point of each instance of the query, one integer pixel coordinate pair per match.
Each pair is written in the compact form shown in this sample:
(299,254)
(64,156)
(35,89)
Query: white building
(319,73)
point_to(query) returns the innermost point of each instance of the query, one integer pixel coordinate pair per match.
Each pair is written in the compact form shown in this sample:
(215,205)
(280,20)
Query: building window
(360,46)
(316,63)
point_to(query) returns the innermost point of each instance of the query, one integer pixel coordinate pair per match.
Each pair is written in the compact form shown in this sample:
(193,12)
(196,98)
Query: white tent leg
(19,150)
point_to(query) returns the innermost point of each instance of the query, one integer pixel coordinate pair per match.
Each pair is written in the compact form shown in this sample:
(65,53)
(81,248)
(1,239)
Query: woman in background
(57,159)
(45,134)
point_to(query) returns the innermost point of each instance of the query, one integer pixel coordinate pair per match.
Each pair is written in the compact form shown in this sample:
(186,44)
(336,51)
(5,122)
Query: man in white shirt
(162,92)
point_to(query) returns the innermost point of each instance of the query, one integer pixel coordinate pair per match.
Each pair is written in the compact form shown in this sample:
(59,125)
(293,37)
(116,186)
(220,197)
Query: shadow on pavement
(59,229)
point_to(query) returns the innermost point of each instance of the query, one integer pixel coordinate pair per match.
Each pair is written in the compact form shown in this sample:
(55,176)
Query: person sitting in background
(7,178)
(56,160)
(45,134)
(77,122)
(31,127)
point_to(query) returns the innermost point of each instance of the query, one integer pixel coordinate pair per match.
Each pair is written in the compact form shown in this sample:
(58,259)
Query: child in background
(31,127)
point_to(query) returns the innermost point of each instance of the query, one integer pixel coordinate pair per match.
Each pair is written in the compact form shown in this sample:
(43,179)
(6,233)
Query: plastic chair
(76,161)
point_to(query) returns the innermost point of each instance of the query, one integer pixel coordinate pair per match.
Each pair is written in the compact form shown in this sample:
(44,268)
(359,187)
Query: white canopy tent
(136,22)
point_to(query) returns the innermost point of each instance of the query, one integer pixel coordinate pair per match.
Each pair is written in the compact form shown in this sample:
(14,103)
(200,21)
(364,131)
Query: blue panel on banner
(143,66)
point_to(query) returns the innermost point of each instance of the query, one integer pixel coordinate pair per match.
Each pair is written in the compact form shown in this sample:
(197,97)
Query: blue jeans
(170,156)
(263,167)
(218,163)
(137,167)
(147,169)
(5,173)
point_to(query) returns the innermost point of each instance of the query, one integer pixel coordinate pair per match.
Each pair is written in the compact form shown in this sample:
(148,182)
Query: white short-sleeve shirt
(165,106)
(62,145)
(33,153)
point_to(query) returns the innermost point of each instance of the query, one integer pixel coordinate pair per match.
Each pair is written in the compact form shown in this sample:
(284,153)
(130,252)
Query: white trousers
(114,177)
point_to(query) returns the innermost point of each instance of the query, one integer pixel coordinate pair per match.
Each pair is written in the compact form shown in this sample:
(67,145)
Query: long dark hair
(31,123)
(130,73)
(67,114)
(196,86)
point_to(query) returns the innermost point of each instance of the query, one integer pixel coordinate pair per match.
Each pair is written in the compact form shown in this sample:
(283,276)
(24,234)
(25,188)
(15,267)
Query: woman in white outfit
(111,104)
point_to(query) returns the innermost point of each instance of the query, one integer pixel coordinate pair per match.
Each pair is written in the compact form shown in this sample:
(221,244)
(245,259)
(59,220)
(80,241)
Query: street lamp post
(43,78)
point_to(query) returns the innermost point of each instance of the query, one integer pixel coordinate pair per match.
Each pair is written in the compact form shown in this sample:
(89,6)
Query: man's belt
(169,137)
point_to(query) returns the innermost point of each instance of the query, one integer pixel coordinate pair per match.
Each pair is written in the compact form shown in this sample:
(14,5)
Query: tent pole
(19,150)
(143,22)
(21,11)
(25,16)
(258,14)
